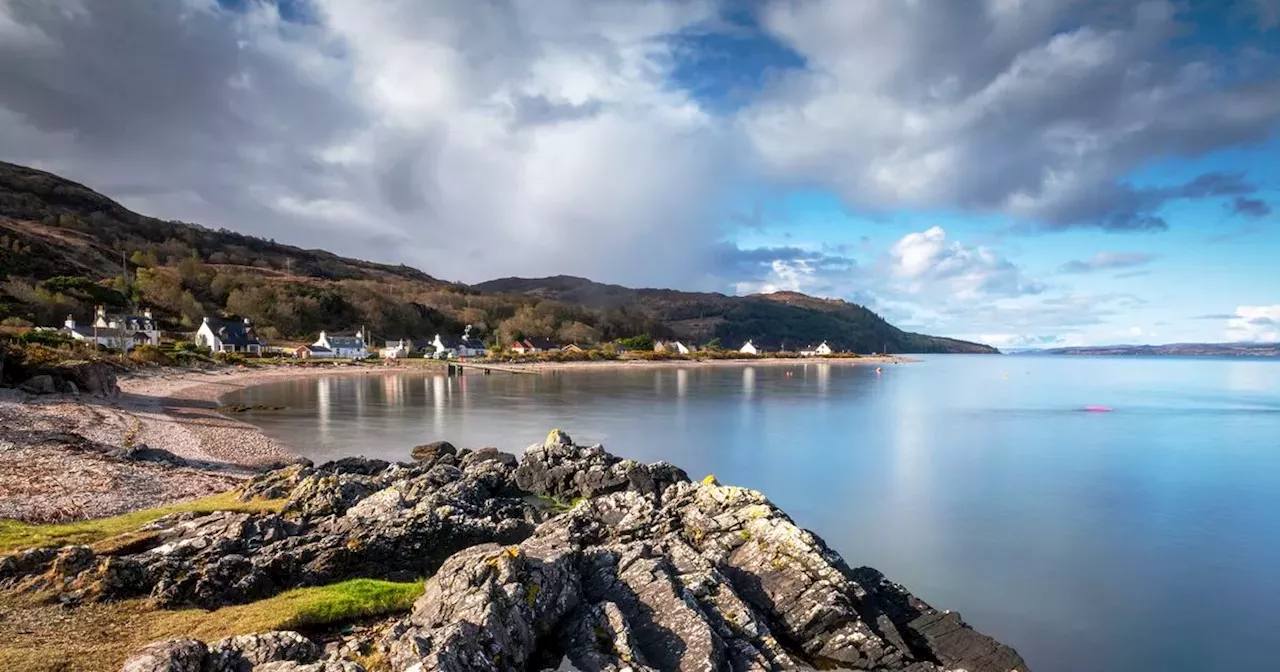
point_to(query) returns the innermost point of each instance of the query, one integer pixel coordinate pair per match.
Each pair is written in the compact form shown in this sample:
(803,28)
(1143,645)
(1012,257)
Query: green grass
(98,636)
(16,535)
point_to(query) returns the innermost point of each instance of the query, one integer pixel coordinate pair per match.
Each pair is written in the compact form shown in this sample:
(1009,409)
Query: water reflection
(1076,537)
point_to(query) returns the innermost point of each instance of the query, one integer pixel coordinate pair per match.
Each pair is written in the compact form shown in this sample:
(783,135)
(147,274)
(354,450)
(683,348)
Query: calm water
(1147,538)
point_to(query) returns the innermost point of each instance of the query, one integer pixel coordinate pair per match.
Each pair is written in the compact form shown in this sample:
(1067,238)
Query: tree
(641,342)
(578,332)
(143,259)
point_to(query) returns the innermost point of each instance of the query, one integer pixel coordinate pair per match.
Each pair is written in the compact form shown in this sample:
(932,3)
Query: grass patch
(16,535)
(91,637)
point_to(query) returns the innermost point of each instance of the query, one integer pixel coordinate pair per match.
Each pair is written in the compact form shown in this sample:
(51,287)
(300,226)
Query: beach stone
(246,652)
(42,384)
(175,655)
(429,452)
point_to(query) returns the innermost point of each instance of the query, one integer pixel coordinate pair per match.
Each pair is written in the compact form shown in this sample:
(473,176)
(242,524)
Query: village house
(573,347)
(466,346)
(133,324)
(530,346)
(107,337)
(396,349)
(229,336)
(816,350)
(341,347)
(674,347)
(749,348)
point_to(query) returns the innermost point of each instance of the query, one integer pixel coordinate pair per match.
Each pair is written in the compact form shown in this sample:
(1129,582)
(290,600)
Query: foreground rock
(646,570)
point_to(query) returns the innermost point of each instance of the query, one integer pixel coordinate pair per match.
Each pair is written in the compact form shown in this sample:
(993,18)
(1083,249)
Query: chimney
(246,321)
(206,319)
(147,313)
(70,323)
(100,311)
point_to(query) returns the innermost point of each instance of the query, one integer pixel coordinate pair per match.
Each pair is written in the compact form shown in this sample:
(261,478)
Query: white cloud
(997,109)
(471,139)
(929,262)
(1255,324)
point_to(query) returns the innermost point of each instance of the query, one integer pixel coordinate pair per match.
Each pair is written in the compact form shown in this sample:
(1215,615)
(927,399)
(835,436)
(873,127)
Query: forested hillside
(65,248)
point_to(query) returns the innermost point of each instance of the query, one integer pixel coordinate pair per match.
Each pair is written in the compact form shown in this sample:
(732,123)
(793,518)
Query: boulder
(94,378)
(246,652)
(41,384)
(175,655)
(429,452)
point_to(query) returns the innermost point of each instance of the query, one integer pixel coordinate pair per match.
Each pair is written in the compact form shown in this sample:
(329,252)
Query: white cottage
(749,348)
(816,350)
(107,337)
(133,324)
(674,346)
(396,349)
(341,347)
(466,346)
(229,336)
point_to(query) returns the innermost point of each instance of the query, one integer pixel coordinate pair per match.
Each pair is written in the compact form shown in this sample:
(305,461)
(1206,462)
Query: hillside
(65,248)
(781,319)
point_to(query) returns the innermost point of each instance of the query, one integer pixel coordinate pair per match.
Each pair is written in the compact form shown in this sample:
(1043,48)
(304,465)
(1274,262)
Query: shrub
(185,346)
(229,358)
(50,339)
(17,322)
(149,354)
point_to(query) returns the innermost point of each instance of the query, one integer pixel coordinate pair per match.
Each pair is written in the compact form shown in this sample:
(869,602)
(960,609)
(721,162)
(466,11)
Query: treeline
(297,308)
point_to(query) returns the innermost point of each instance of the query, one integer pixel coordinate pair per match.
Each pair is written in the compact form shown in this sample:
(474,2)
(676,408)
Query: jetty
(454,368)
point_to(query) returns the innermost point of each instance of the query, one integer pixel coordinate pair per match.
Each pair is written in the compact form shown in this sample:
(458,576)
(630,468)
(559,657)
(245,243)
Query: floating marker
(1098,409)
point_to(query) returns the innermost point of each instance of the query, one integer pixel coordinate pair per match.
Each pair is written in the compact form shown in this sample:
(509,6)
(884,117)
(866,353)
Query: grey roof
(318,348)
(236,334)
(346,342)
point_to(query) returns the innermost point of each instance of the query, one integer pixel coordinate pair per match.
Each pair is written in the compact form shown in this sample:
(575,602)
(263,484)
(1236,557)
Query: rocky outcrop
(94,378)
(645,570)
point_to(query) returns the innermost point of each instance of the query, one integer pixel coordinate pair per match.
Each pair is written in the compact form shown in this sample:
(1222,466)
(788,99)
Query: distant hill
(1171,350)
(65,248)
(780,319)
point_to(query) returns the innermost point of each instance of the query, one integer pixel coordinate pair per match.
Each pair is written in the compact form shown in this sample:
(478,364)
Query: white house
(674,346)
(816,350)
(396,349)
(229,336)
(467,346)
(134,324)
(749,348)
(119,339)
(342,347)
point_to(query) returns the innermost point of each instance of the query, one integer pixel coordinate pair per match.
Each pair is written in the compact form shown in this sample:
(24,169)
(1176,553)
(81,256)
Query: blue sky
(1047,173)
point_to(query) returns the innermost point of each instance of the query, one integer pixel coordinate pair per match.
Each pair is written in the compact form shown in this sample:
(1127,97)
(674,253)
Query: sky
(1023,173)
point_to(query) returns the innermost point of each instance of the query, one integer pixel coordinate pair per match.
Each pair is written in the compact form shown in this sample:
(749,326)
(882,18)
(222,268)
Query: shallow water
(1145,538)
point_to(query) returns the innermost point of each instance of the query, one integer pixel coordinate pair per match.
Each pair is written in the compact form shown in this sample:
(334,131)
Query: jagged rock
(648,572)
(323,666)
(175,655)
(277,483)
(430,452)
(565,471)
(247,652)
(42,384)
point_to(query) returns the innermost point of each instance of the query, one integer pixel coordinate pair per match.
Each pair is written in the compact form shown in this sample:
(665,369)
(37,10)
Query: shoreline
(163,441)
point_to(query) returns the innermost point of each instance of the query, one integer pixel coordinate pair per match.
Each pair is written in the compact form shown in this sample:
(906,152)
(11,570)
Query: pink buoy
(1098,409)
